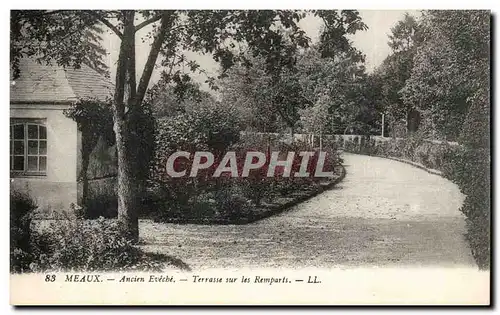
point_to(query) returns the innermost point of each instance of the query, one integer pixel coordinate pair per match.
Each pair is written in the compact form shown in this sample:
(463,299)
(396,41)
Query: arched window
(28,147)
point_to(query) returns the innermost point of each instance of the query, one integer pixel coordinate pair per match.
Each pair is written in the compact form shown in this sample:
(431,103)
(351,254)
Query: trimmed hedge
(470,170)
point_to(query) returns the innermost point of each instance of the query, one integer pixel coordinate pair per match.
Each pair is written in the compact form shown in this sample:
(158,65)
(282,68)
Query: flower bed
(245,211)
(229,199)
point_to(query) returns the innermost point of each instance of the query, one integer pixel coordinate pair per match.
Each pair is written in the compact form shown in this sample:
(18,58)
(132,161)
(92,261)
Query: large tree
(396,69)
(70,38)
(248,88)
(336,81)
(451,69)
(271,101)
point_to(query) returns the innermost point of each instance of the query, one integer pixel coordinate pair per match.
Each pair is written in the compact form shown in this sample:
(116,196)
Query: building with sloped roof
(45,156)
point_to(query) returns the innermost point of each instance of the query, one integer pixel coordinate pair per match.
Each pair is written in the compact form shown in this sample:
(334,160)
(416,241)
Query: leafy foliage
(394,72)
(440,69)
(339,83)
(21,208)
(95,120)
(211,127)
(89,245)
(471,169)
(451,68)
(315,119)
(274,102)
(167,100)
(72,244)
(69,38)
(249,90)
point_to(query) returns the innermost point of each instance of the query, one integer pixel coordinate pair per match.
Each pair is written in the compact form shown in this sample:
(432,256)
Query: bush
(21,208)
(209,127)
(227,203)
(415,149)
(87,245)
(224,198)
(21,204)
(231,203)
(469,168)
(199,207)
(70,244)
(104,204)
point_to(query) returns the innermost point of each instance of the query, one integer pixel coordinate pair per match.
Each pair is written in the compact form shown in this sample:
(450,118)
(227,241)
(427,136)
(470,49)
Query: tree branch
(122,67)
(149,21)
(153,55)
(107,23)
(30,14)
(130,31)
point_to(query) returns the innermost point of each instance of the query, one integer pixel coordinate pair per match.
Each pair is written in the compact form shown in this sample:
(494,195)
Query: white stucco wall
(58,188)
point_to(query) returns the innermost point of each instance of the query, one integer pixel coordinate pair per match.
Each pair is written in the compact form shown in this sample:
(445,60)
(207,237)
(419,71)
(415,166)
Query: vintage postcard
(250,157)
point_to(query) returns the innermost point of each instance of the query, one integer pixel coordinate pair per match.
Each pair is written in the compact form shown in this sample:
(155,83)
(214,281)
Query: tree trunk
(125,126)
(126,191)
(126,188)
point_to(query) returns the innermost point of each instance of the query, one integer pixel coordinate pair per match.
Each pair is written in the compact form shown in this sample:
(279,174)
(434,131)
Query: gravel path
(384,213)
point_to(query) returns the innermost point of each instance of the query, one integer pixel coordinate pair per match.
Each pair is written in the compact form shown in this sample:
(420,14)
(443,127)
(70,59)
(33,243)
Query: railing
(350,137)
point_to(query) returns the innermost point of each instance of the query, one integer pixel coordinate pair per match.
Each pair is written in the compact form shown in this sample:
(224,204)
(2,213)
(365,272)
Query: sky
(372,42)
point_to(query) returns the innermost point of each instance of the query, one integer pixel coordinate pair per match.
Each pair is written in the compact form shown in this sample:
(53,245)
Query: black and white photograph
(197,157)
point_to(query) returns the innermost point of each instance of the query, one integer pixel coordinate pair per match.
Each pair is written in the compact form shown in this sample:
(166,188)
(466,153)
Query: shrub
(21,204)
(104,204)
(227,203)
(87,245)
(415,149)
(206,128)
(209,128)
(258,186)
(21,208)
(352,145)
(71,243)
(231,203)
(199,207)
(470,169)
(205,197)
(422,154)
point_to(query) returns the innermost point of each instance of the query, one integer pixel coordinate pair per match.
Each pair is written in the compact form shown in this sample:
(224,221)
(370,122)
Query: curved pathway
(384,213)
